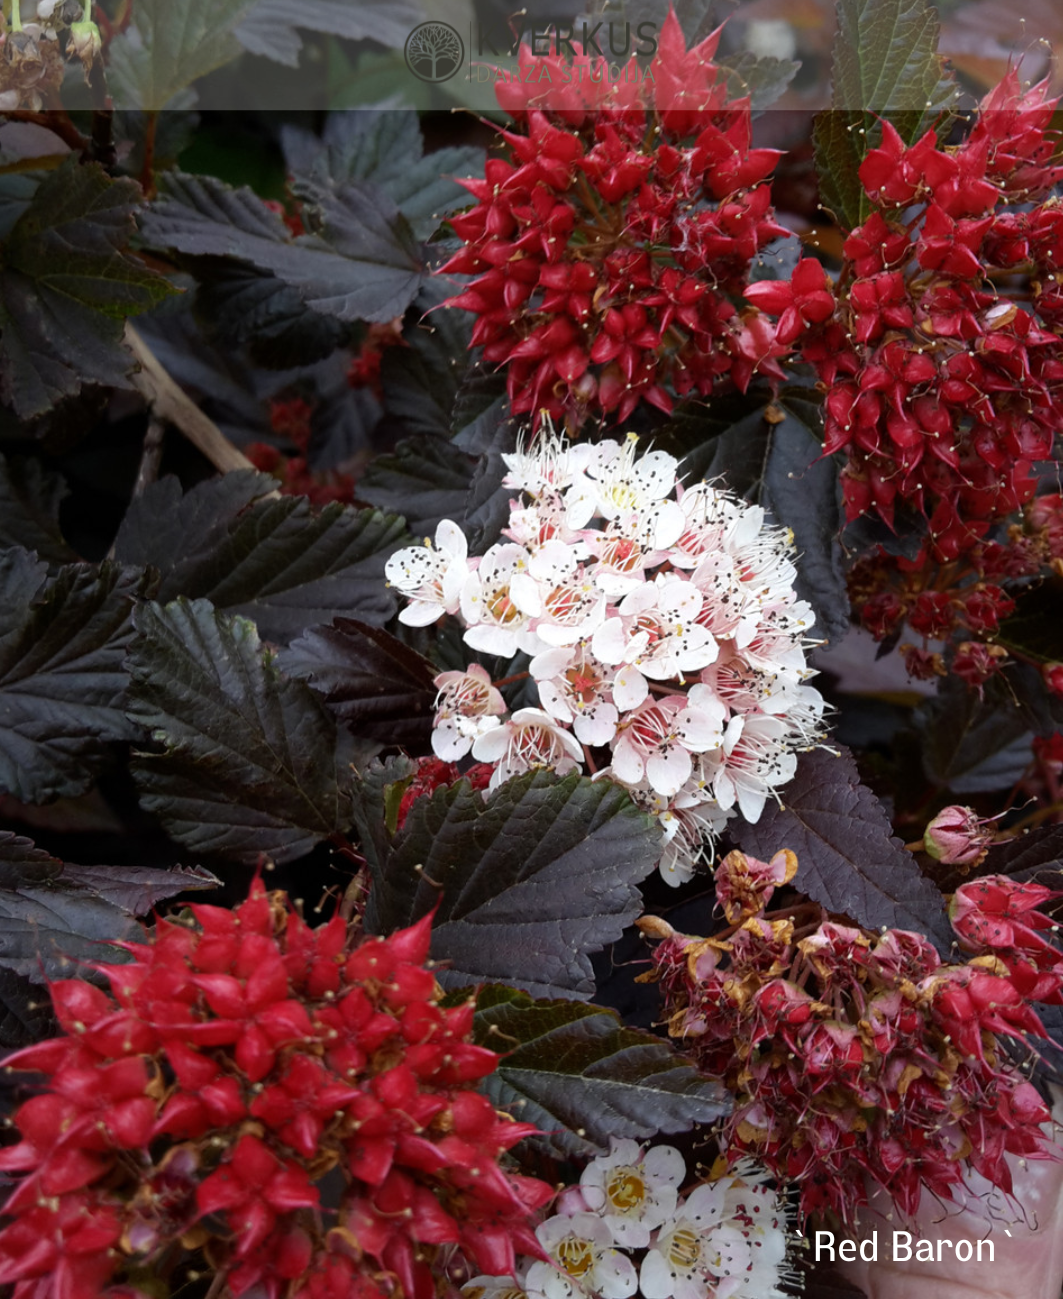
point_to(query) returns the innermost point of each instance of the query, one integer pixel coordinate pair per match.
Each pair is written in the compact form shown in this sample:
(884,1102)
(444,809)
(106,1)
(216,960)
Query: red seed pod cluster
(432,773)
(859,1058)
(962,603)
(943,385)
(188,1118)
(291,419)
(612,244)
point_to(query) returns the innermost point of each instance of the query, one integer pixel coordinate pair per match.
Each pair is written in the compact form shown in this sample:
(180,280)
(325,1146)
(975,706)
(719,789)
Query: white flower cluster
(726,1239)
(661,623)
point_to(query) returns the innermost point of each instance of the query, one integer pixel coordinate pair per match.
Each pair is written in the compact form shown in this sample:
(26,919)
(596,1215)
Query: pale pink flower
(553,468)
(779,638)
(754,760)
(622,559)
(727,1240)
(467,706)
(500,1287)
(533,526)
(655,741)
(694,1250)
(656,631)
(689,820)
(626,486)
(530,739)
(574,688)
(572,606)
(684,593)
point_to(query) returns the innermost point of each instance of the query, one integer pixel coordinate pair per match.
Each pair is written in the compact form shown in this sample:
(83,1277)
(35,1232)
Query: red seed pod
(251,1055)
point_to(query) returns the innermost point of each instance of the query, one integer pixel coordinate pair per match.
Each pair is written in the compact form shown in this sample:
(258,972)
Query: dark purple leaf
(885,65)
(371,681)
(383,146)
(425,478)
(270,27)
(61,678)
(49,921)
(25,1015)
(251,762)
(582,1077)
(239,304)
(1036,854)
(528,883)
(29,509)
(137,889)
(67,285)
(848,858)
(272,560)
(973,741)
(1034,629)
(362,262)
(167,47)
(801,491)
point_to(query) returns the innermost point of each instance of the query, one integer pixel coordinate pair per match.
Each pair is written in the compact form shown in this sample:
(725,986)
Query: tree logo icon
(434,51)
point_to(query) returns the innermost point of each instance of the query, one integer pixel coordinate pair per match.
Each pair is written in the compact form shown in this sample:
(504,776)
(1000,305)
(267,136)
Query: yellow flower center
(685,1248)
(626,1190)
(502,609)
(575,1256)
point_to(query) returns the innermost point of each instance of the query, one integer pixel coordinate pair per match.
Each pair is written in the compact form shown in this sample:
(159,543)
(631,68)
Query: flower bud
(1053,677)
(85,42)
(957,837)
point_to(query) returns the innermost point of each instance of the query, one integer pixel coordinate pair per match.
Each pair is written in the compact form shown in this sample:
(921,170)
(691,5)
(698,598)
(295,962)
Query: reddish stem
(517,676)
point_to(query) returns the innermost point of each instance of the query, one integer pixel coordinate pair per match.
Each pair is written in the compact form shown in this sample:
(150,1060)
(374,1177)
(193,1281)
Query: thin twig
(216,1286)
(150,457)
(103,150)
(174,406)
(58,123)
(147,167)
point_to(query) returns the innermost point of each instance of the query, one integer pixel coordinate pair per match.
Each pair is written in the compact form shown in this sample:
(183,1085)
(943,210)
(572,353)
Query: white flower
(574,688)
(535,525)
(498,602)
(626,487)
(662,623)
(657,632)
(708,514)
(655,741)
(633,1192)
(745,689)
(755,1209)
(432,579)
(586,1262)
(499,1287)
(531,738)
(779,638)
(694,1250)
(727,1241)
(755,760)
(572,606)
(551,469)
(467,706)
(621,560)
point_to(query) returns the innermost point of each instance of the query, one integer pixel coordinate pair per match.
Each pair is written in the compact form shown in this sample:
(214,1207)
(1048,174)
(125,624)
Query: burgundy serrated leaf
(371,681)
(581,1076)
(525,885)
(137,889)
(848,858)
